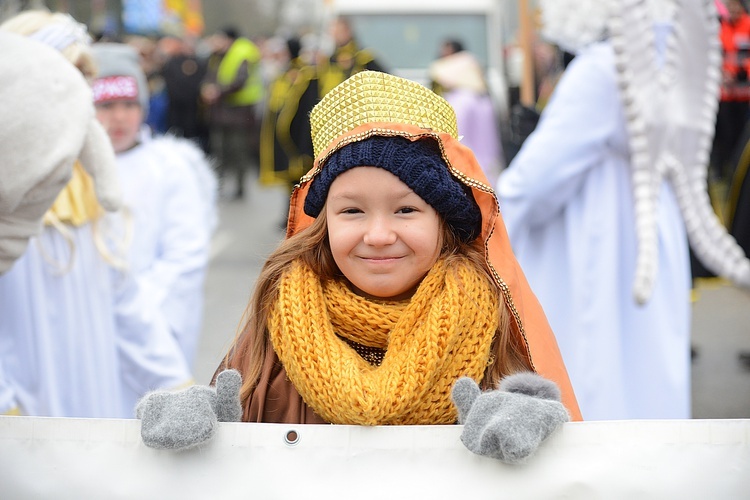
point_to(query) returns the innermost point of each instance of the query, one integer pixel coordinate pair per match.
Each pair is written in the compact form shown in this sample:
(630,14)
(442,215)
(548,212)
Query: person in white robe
(567,202)
(75,331)
(83,341)
(570,201)
(170,193)
(173,222)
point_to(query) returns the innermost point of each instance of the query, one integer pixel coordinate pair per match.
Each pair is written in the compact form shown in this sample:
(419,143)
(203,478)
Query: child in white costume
(75,330)
(170,191)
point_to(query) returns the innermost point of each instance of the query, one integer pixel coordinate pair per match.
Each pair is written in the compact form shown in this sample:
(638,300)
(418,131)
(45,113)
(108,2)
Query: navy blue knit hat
(418,164)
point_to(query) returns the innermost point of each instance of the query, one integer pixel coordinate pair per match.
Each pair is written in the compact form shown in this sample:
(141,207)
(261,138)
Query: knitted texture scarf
(443,332)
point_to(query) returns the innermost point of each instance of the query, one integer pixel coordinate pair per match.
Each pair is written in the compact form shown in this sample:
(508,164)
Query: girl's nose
(379,233)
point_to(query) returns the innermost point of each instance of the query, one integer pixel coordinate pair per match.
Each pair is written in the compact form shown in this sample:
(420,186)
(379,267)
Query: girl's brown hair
(252,345)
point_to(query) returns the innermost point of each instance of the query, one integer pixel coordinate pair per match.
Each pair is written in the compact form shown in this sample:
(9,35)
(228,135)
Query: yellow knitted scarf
(443,332)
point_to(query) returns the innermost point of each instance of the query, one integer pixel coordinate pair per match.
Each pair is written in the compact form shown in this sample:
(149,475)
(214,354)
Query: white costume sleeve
(184,243)
(170,189)
(570,139)
(149,353)
(177,274)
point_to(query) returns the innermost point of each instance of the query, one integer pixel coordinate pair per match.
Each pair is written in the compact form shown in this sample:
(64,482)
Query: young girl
(396,280)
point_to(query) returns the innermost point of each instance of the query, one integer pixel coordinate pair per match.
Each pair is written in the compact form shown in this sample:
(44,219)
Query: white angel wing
(632,37)
(670,110)
(692,104)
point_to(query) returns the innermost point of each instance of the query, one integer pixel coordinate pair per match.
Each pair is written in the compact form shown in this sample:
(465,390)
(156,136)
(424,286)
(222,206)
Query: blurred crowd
(244,100)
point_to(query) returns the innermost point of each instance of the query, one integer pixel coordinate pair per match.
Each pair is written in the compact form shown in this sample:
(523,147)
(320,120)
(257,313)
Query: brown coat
(275,399)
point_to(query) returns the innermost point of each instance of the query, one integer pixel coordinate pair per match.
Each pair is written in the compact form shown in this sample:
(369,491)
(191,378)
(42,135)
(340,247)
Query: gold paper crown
(371,96)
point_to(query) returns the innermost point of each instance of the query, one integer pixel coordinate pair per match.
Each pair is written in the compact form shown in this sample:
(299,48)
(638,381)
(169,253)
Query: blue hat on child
(419,164)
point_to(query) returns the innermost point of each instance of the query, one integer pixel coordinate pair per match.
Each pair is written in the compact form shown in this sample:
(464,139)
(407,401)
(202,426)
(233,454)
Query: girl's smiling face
(383,236)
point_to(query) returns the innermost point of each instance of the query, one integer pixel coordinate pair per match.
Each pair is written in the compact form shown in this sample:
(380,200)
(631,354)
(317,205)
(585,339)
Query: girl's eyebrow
(353,194)
(345,195)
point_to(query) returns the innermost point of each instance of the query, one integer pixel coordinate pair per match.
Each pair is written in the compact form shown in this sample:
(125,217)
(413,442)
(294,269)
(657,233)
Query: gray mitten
(509,423)
(184,419)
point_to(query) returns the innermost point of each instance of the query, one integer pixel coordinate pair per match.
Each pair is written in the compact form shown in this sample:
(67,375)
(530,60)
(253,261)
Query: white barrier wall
(53,458)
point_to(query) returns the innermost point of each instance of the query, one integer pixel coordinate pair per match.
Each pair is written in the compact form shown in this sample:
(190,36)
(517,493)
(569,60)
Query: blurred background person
(286,149)
(459,78)
(183,72)
(232,89)
(151,61)
(346,58)
(170,192)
